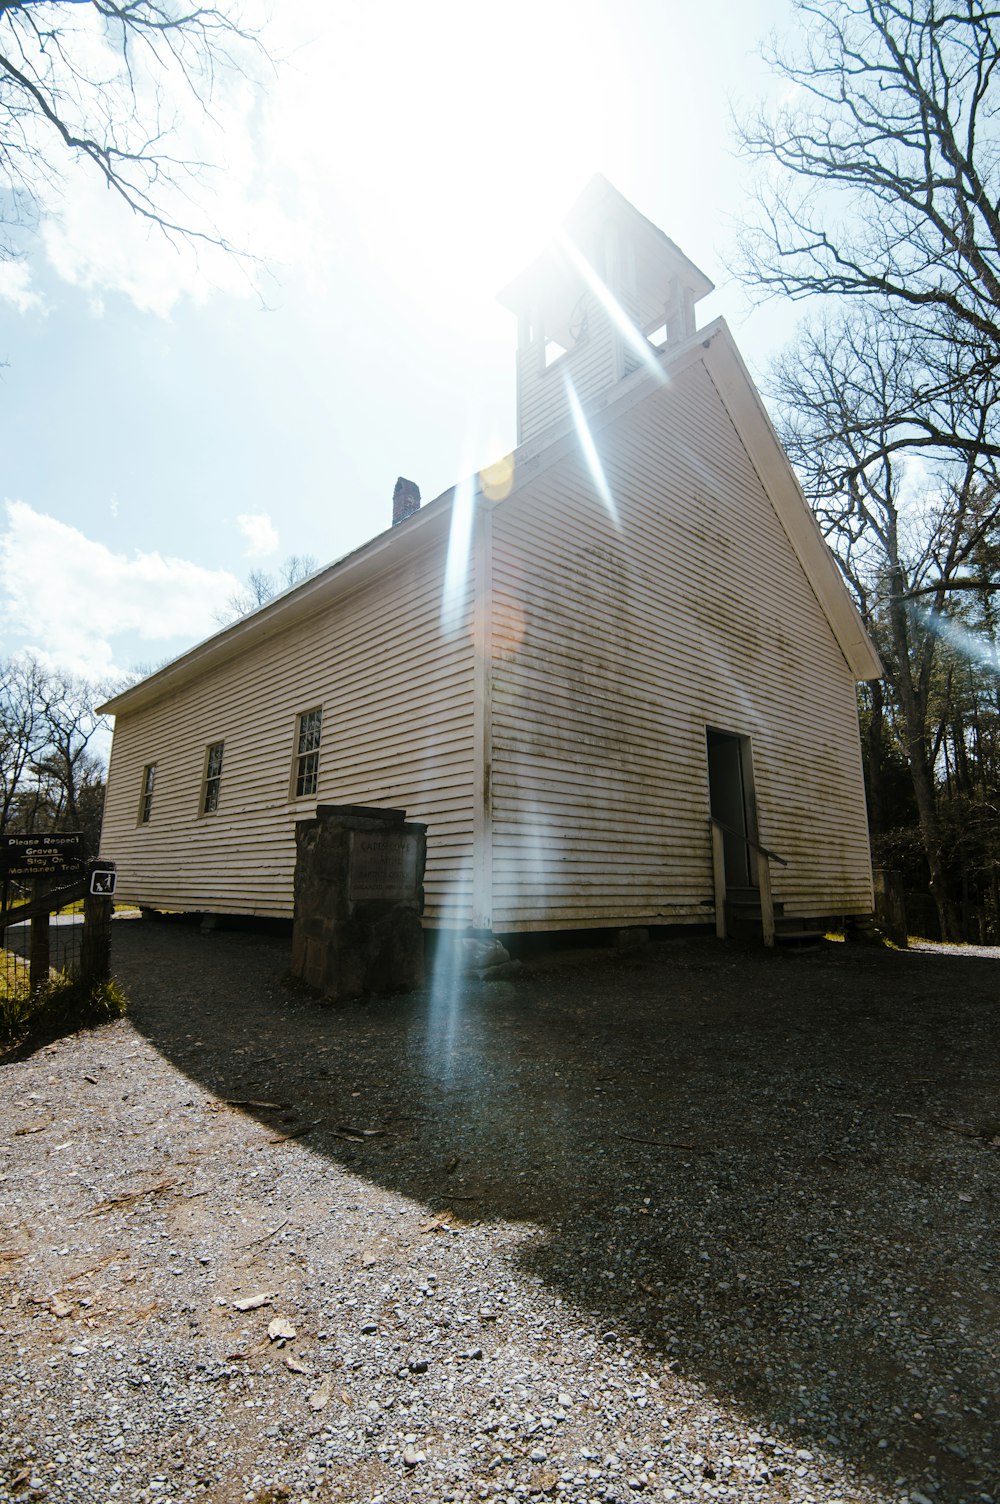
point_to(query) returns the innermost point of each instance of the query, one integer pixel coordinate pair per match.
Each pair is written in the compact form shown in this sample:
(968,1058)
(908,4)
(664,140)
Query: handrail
(732,831)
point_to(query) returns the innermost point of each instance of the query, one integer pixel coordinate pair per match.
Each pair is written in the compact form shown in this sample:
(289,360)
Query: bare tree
(904,541)
(106,85)
(880,187)
(50,776)
(21,734)
(70,723)
(880,196)
(261,587)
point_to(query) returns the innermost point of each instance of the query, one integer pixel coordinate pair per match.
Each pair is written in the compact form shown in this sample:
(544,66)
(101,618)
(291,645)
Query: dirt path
(683,1222)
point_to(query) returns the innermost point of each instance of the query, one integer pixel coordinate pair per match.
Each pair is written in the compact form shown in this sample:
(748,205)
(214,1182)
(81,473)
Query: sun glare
(633,337)
(590,454)
(459,560)
(442,140)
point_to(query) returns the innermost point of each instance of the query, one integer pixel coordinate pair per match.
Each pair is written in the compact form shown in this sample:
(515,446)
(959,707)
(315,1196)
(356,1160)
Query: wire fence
(65,936)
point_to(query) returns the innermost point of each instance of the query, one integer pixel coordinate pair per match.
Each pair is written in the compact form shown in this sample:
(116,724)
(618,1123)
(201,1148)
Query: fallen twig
(265,1237)
(248,1352)
(358,1135)
(142,1313)
(990,1140)
(438,1222)
(246,1102)
(91,1269)
(129,1197)
(283,1138)
(660,1143)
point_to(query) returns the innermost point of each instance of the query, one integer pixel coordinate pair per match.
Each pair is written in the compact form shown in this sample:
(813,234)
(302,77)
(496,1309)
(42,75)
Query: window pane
(309,731)
(308,775)
(213,777)
(146,804)
(307,753)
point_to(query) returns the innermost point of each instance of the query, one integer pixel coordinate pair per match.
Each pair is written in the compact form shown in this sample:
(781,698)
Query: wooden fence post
(95,943)
(766,900)
(719,875)
(38,950)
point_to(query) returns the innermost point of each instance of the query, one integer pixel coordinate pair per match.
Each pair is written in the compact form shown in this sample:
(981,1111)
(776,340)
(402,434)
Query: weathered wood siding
(397,704)
(616,641)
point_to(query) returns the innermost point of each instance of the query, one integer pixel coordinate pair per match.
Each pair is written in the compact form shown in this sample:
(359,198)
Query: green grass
(77,908)
(61,1006)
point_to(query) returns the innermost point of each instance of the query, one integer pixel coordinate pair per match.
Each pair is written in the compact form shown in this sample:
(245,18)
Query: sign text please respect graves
(41,855)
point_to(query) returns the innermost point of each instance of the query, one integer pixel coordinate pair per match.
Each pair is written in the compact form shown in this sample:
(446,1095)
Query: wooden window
(146,801)
(306,768)
(213,778)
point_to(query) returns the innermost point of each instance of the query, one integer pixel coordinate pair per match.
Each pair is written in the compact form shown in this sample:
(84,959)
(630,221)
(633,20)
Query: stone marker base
(358,900)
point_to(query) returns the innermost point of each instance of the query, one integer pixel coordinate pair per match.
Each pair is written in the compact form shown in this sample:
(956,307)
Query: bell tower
(599,303)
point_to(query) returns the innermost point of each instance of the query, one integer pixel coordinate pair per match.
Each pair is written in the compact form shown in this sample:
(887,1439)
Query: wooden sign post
(38,949)
(98,907)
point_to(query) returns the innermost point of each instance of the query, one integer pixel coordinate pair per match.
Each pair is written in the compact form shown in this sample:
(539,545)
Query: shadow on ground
(778,1172)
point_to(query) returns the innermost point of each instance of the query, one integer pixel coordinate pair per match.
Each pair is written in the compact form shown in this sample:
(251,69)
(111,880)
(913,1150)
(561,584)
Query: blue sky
(170,422)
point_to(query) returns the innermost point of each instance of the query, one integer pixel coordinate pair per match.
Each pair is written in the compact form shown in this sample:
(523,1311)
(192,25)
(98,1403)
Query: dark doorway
(730,783)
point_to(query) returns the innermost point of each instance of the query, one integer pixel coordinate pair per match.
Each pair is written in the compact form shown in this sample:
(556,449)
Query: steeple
(608,288)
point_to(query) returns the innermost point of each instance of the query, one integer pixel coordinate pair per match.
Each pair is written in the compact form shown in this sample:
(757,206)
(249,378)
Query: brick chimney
(405,500)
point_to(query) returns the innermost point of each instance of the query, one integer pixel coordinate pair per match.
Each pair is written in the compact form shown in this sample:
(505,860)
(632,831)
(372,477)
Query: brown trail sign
(27,856)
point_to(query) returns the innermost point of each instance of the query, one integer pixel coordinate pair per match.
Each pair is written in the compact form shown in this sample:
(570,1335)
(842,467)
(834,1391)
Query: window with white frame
(306,767)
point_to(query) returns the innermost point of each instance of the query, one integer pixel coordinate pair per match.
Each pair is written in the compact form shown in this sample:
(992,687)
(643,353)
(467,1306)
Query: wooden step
(784,935)
(743,922)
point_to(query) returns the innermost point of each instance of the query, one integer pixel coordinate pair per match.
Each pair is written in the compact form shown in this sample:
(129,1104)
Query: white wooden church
(564,667)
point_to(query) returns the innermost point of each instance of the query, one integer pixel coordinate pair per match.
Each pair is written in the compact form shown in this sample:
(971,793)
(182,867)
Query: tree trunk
(873,749)
(923,789)
(911,693)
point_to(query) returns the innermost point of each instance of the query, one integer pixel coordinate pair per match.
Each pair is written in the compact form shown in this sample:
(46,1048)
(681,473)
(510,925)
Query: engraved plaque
(383,865)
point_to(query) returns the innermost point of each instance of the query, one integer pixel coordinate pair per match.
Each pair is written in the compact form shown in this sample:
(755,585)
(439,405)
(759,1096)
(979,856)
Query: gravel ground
(681,1222)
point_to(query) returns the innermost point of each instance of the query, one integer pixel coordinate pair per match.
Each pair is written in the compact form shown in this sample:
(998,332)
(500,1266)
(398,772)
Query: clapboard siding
(562,722)
(617,639)
(396,695)
(542,394)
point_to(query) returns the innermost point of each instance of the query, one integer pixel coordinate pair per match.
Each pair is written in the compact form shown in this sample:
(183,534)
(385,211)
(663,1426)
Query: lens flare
(591,455)
(497,480)
(455,594)
(444,1011)
(977,647)
(634,338)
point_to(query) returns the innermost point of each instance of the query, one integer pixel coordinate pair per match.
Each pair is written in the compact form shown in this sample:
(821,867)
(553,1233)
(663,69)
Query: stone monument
(359,895)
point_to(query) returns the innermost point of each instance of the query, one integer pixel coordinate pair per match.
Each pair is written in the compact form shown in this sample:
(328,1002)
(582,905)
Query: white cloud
(94,246)
(16,288)
(92,241)
(68,597)
(259,533)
